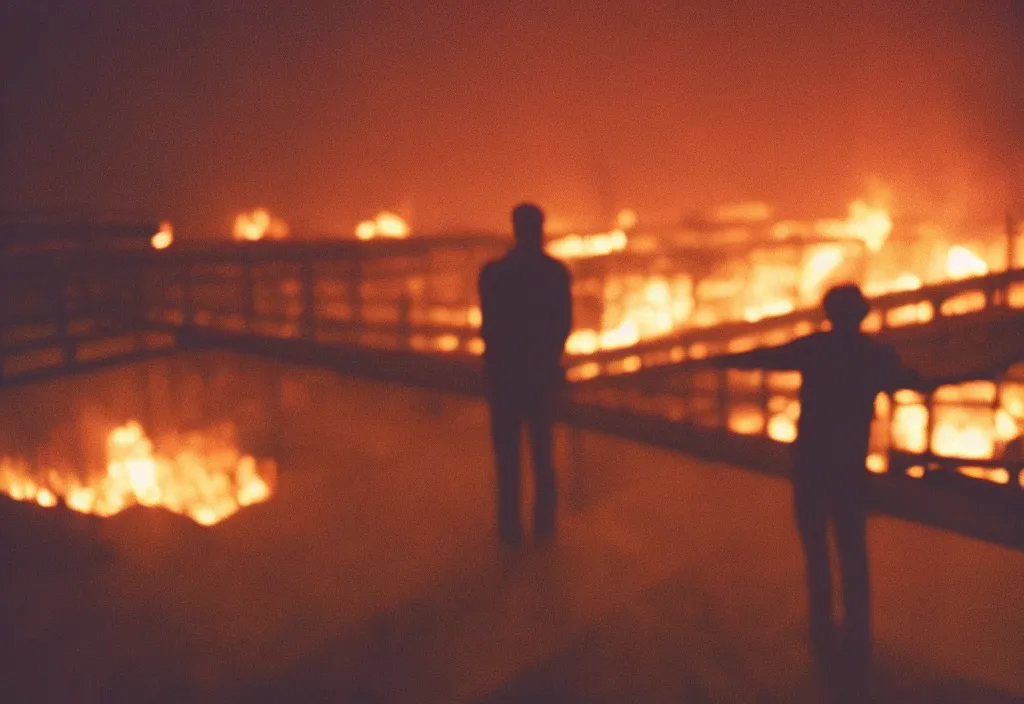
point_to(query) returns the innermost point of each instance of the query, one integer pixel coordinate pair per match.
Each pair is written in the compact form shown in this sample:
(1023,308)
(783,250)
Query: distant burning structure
(633,285)
(258,224)
(386,225)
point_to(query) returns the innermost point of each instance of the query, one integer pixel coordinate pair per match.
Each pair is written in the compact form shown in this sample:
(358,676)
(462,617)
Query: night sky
(449,113)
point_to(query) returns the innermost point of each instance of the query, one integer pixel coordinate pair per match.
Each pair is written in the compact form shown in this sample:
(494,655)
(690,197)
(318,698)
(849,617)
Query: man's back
(841,376)
(842,373)
(526,306)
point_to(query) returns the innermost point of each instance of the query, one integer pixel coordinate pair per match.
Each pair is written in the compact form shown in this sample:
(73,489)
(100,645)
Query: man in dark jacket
(842,370)
(526,306)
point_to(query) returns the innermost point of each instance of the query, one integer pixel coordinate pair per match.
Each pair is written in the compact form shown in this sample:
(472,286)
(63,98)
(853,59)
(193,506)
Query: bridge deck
(372,576)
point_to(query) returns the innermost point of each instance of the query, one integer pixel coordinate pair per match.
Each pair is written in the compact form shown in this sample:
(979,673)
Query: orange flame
(386,225)
(164,237)
(962,263)
(573,246)
(627,219)
(203,476)
(867,223)
(259,224)
(640,308)
(754,211)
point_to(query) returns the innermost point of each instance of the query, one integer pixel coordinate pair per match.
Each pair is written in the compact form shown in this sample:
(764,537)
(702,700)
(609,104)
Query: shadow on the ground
(47,543)
(666,644)
(62,641)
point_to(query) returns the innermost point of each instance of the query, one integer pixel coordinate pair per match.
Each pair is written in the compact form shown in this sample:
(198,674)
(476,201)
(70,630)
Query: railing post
(404,326)
(687,396)
(188,304)
(142,299)
(58,284)
(766,396)
(308,293)
(355,281)
(1011,241)
(929,405)
(723,398)
(248,301)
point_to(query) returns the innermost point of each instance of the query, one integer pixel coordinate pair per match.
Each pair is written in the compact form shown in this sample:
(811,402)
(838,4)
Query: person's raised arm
(986,372)
(898,376)
(790,356)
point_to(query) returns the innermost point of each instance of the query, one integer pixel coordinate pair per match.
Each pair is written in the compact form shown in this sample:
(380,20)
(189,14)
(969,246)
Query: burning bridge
(370,575)
(405,311)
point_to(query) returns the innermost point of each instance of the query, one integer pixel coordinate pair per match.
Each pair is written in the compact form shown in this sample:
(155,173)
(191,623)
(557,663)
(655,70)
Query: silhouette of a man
(526,306)
(843,370)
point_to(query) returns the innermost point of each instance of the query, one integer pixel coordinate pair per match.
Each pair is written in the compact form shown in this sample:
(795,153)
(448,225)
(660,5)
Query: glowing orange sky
(327,113)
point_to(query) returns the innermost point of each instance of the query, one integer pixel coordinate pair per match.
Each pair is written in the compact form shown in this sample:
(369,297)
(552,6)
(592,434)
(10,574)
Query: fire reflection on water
(65,443)
(201,475)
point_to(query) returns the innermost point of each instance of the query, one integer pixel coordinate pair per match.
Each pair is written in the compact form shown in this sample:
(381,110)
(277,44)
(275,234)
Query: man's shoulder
(541,263)
(874,345)
(494,267)
(882,351)
(556,266)
(812,341)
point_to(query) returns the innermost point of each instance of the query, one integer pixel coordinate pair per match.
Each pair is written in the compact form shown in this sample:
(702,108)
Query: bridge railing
(892,314)
(402,295)
(395,297)
(971,429)
(341,295)
(60,311)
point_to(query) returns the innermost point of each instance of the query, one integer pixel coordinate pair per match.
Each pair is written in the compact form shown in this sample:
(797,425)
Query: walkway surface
(373,574)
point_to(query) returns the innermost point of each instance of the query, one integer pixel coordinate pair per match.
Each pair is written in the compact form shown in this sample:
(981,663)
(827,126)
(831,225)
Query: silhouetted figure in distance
(843,370)
(526,306)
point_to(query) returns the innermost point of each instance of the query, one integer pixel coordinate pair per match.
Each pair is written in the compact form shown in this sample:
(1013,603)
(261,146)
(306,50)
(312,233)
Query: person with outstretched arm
(842,370)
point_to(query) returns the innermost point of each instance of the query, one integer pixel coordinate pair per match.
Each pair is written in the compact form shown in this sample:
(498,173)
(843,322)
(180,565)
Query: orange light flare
(867,223)
(386,225)
(599,244)
(748,212)
(163,237)
(767,283)
(646,309)
(259,224)
(573,246)
(201,475)
(967,423)
(962,263)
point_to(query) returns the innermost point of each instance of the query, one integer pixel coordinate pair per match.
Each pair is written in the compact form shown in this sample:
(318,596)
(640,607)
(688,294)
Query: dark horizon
(328,114)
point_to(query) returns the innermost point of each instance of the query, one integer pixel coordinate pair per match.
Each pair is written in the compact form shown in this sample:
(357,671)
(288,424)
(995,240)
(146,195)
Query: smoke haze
(449,113)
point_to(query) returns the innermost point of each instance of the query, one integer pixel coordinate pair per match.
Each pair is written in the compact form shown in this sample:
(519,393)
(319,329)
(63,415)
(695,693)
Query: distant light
(384,225)
(962,263)
(366,230)
(46,498)
(163,237)
(753,211)
(626,219)
(259,224)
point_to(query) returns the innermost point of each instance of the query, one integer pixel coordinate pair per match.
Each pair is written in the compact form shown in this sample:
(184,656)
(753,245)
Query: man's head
(528,226)
(845,307)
